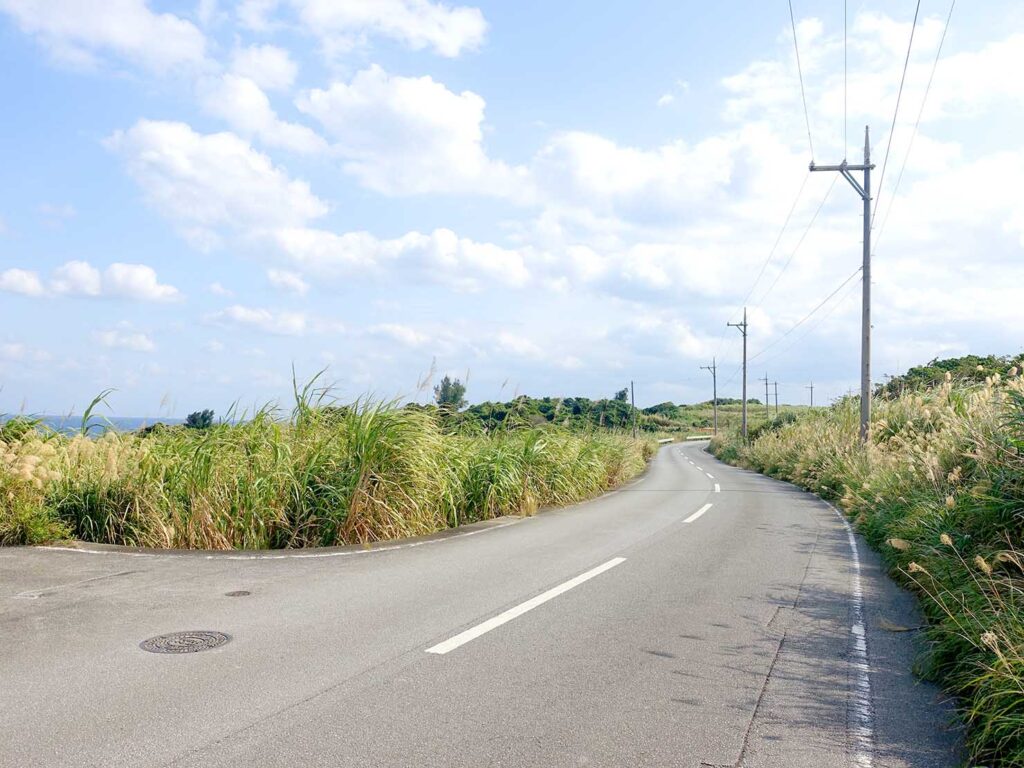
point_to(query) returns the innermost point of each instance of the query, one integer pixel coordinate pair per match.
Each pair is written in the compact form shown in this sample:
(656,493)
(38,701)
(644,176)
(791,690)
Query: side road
(703,616)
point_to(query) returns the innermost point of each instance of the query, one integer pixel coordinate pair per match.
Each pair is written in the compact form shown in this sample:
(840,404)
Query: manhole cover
(238,593)
(184,642)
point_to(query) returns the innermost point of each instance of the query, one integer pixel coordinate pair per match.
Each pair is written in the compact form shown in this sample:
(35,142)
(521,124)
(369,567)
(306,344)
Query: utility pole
(632,402)
(743,329)
(865,341)
(767,399)
(776,399)
(811,387)
(714,388)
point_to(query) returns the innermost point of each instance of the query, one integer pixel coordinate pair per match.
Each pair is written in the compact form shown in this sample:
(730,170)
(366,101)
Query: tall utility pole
(743,329)
(767,399)
(865,331)
(632,402)
(714,388)
(776,399)
(811,387)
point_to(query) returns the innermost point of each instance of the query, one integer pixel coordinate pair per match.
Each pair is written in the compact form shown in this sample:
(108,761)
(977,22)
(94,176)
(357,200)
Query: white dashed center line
(697,514)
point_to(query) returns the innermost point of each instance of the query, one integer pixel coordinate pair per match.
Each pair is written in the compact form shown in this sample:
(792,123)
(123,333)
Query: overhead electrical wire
(846,120)
(807,331)
(800,73)
(808,316)
(917,124)
(899,95)
(800,242)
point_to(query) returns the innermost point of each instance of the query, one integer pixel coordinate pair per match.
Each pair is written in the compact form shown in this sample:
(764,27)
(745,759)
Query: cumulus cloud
(418,24)
(441,255)
(206,183)
(403,334)
(262,319)
(22,281)
(82,34)
(80,278)
(268,66)
(288,281)
(241,103)
(411,135)
(121,339)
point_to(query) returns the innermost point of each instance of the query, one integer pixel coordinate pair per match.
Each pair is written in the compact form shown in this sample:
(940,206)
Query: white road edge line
(718,488)
(862,712)
(697,514)
(503,618)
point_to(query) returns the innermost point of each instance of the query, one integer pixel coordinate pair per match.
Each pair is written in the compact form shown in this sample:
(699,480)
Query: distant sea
(69,424)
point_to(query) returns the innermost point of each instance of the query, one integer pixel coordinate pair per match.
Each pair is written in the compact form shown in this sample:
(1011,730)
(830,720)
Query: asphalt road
(644,628)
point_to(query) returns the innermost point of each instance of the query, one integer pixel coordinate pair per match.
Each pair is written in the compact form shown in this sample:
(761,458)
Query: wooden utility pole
(864,190)
(714,388)
(743,329)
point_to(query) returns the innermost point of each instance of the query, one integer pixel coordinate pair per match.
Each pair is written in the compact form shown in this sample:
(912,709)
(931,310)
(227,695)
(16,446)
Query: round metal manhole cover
(185,642)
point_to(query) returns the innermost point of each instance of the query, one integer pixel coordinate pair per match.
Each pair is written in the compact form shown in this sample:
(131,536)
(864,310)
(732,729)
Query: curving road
(701,616)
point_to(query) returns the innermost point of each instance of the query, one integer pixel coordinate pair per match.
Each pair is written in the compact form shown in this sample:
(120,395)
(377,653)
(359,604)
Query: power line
(807,332)
(806,317)
(800,73)
(778,239)
(917,124)
(899,95)
(846,119)
(800,242)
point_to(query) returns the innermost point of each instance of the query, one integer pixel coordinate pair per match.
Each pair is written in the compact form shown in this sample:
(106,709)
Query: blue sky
(554,198)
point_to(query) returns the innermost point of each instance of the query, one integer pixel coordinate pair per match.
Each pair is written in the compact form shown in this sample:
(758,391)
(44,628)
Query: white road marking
(710,475)
(700,468)
(503,618)
(697,514)
(862,712)
(718,488)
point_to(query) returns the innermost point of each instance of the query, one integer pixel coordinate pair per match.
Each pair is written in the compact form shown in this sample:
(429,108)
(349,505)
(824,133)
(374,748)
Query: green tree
(622,395)
(450,394)
(199,419)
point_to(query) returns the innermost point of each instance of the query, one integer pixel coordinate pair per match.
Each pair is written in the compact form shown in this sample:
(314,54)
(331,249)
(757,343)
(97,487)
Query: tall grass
(325,475)
(939,490)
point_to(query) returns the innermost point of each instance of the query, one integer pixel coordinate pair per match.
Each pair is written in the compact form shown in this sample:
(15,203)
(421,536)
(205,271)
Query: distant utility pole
(767,399)
(865,340)
(776,399)
(714,388)
(743,329)
(811,387)
(632,402)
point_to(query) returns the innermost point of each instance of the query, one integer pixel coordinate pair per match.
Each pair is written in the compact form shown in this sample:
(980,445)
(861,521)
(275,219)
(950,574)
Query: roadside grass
(325,474)
(939,491)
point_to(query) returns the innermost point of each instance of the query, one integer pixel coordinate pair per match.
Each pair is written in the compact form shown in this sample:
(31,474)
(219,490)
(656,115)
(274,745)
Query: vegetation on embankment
(324,476)
(939,490)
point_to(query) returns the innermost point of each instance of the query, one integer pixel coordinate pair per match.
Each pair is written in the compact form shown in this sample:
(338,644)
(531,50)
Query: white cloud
(77,278)
(288,281)
(239,102)
(268,66)
(80,278)
(136,281)
(403,334)
(442,255)
(22,281)
(78,33)
(519,346)
(665,99)
(411,135)
(266,320)
(219,290)
(130,340)
(447,30)
(211,182)
(213,346)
